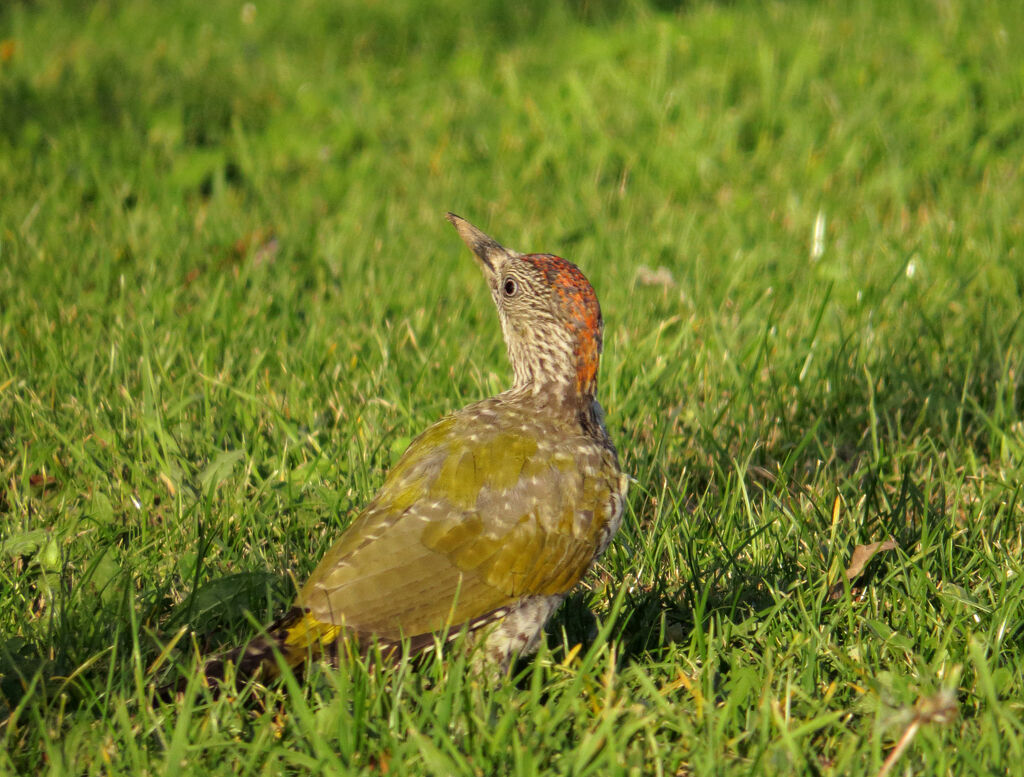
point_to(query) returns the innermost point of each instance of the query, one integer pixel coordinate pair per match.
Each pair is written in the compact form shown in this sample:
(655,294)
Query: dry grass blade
(938,709)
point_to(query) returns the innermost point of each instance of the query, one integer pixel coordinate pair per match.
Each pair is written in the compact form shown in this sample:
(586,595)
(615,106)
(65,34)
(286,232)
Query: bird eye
(510,287)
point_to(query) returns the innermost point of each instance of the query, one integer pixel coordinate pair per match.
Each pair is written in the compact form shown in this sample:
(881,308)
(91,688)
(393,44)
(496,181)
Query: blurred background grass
(228,300)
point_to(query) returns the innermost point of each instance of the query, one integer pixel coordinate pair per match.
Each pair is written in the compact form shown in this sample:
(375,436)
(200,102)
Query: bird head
(549,313)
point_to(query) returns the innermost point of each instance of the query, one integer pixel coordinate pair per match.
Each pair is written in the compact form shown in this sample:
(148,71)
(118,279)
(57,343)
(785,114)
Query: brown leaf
(44,482)
(260,245)
(862,554)
(381,763)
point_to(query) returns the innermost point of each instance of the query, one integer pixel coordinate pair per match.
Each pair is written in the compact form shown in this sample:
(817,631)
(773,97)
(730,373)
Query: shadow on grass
(651,620)
(725,590)
(85,637)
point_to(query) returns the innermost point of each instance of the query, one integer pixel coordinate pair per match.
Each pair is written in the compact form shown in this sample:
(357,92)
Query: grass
(228,300)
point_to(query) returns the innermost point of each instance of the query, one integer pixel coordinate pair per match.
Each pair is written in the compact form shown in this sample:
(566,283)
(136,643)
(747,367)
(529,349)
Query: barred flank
(298,635)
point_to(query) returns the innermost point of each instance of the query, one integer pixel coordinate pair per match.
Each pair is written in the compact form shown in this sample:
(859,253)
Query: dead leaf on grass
(662,276)
(862,554)
(44,482)
(260,246)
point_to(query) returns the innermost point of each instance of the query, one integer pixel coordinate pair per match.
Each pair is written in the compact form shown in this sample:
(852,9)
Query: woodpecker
(494,513)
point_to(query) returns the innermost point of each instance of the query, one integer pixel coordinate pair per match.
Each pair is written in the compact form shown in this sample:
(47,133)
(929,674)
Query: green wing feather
(473,518)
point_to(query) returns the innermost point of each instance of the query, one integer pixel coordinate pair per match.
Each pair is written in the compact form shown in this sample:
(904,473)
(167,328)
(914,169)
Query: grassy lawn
(229,299)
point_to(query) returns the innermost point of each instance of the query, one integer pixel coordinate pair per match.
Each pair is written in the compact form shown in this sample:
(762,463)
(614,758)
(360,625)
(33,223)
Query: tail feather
(298,636)
(294,637)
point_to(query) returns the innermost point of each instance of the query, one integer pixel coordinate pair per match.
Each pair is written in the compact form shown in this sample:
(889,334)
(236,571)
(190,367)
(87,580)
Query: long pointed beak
(490,254)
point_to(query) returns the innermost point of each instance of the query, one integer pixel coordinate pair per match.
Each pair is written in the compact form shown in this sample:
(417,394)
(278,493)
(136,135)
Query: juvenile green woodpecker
(495,512)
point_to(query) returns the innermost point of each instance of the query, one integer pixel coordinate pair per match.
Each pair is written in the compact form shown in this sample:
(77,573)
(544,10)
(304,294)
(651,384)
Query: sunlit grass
(229,298)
